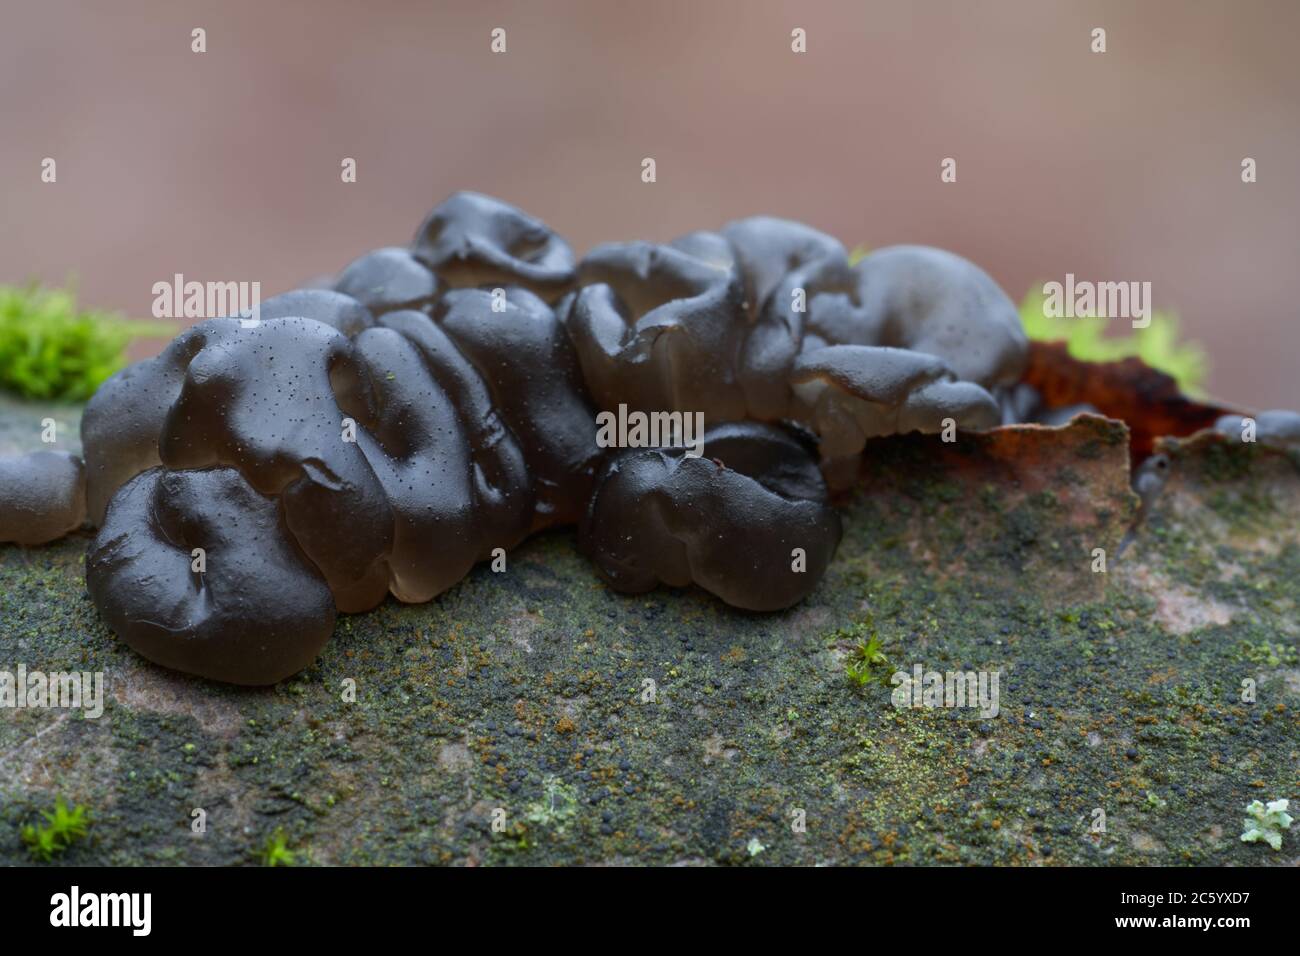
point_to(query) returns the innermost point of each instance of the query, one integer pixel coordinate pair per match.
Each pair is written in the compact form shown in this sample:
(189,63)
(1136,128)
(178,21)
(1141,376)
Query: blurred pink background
(225,165)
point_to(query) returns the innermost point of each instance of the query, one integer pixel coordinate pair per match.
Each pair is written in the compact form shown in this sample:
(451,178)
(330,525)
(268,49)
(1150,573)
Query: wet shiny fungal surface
(439,404)
(42,496)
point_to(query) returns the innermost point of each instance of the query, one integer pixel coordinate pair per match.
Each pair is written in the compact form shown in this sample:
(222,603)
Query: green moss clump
(1157,345)
(51,349)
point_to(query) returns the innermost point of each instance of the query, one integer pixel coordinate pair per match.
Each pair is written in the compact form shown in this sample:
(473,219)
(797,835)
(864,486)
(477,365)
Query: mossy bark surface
(522,697)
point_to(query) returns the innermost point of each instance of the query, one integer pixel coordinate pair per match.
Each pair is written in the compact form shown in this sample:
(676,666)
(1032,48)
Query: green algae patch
(535,717)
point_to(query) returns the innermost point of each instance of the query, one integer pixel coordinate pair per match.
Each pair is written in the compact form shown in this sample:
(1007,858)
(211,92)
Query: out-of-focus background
(225,165)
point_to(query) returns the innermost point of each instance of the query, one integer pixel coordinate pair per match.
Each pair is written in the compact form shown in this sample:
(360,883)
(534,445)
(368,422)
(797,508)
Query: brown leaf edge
(1145,399)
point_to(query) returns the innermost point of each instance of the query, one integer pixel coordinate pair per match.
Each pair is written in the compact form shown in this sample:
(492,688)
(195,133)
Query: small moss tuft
(867,662)
(276,852)
(62,828)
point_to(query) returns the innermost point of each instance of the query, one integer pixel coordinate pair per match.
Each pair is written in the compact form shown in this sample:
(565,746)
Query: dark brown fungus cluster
(767,320)
(391,461)
(437,404)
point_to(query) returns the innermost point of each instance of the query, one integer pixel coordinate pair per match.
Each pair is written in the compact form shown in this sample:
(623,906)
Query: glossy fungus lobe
(934,301)
(339,311)
(474,240)
(656,328)
(42,496)
(751,523)
(247,608)
(388,279)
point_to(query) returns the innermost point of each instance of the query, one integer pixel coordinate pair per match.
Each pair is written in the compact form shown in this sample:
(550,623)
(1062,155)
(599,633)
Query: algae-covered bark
(591,727)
